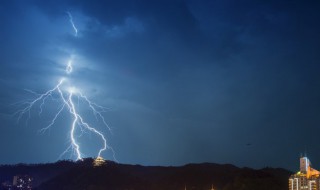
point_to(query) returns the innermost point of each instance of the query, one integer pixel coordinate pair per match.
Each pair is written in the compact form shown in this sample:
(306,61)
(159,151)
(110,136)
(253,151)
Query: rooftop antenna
(305,151)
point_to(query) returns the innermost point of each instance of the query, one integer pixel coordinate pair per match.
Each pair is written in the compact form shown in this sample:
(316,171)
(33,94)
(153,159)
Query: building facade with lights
(306,179)
(22,182)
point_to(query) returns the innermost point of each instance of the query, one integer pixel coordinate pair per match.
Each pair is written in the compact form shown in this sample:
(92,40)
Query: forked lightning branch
(67,96)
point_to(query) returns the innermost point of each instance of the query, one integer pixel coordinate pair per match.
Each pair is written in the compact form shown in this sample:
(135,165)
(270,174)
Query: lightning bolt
(69,66)
(72,24)
(66,94)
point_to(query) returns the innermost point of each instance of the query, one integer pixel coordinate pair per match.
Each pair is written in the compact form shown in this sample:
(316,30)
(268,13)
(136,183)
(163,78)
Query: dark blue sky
(222,81)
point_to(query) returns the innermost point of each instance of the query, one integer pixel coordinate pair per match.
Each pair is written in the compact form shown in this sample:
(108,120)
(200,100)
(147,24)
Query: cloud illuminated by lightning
(66,95)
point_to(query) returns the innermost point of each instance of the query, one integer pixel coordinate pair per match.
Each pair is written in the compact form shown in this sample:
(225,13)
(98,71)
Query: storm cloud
(185,81)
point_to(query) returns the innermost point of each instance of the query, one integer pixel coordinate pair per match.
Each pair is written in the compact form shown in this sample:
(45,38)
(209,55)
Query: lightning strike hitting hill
(66,95)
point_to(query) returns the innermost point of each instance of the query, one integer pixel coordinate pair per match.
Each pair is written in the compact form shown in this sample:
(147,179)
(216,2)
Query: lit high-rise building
(306,179)
(22,182)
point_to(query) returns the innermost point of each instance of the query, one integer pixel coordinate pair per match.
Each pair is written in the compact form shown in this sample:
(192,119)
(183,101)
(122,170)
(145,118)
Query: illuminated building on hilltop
(185,187)
(306,179)
(99,161)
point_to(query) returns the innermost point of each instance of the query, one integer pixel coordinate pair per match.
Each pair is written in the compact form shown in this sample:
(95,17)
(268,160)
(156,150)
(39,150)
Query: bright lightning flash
(67,95)
(73,25)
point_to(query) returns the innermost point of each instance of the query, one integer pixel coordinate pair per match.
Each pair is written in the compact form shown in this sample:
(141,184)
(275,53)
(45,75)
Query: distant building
(99,161)
(306,179)
(22,182)
(19,182)
(185,187)
(7,186)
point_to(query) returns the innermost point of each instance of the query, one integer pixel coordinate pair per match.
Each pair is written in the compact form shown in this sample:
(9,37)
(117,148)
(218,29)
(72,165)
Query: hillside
(67,175)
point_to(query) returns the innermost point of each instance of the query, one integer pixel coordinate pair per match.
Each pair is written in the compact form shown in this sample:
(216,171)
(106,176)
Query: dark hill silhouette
(82,175)
(40,172)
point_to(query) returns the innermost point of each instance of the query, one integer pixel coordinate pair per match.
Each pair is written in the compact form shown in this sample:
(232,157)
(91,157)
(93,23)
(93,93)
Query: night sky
(223,81)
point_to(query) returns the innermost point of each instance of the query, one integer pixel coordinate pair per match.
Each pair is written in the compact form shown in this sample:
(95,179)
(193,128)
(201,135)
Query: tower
(99,161)
(304,164)
(307,178)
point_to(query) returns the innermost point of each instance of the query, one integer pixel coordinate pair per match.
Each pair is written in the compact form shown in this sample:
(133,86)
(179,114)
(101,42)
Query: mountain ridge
(69,175)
